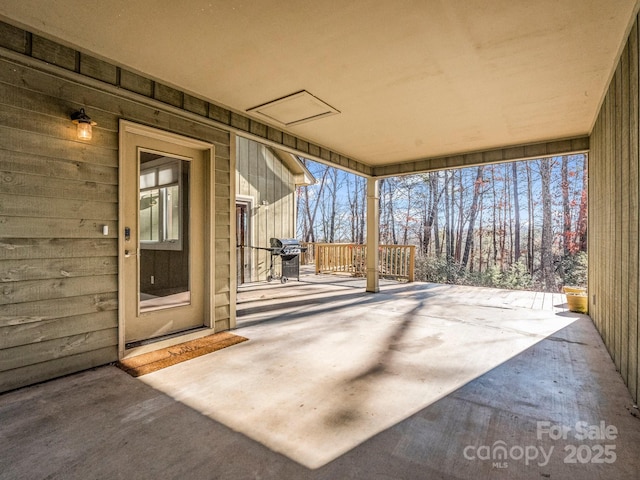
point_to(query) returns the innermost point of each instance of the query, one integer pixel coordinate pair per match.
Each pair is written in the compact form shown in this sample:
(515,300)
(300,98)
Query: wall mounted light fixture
(84,123)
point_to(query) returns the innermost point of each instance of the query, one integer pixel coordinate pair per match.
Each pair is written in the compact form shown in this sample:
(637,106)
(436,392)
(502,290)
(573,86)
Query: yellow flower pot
(574,290)
(578,302)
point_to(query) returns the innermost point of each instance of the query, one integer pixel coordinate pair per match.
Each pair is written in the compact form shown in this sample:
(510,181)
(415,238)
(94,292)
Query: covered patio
(417,381)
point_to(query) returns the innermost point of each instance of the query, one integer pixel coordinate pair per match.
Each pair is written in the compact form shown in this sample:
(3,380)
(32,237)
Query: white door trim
(250,201)
(127,127)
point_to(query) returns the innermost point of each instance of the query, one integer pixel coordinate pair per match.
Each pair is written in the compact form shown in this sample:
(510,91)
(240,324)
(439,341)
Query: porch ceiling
(411,79)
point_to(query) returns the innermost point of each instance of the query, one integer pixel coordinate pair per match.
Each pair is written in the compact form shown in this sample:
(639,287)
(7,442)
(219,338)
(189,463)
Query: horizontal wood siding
(34,46)
(614,246)
(58,272)
(262,176)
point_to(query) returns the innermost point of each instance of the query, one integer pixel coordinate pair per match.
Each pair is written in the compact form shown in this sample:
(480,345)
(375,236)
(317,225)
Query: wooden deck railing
(395,261)
(309,256)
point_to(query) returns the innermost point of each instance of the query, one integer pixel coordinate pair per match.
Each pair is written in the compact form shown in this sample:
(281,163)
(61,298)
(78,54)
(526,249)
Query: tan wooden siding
(262,176)
(58,273)
(614,169)
(31,44)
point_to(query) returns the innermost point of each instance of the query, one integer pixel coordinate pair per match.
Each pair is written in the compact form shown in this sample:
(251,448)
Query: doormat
(159,359)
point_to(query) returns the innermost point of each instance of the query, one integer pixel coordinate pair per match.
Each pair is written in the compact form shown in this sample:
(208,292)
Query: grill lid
(284,242)
(286,246)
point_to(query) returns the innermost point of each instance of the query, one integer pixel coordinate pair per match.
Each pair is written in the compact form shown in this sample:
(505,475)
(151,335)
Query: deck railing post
(318,252)
(412,262)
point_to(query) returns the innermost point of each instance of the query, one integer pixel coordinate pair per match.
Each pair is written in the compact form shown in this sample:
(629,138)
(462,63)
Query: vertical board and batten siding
(58,272)
(614,243)
(262,176)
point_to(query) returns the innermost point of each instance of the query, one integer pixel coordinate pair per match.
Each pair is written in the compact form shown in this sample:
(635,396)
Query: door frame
(249,201)
(208,150)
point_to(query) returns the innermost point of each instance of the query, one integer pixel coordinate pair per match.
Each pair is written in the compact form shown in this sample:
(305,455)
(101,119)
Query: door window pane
(149,213)
(163,191)
(165,262)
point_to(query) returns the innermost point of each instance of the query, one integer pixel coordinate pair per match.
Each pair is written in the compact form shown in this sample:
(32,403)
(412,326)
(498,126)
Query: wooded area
(511,225)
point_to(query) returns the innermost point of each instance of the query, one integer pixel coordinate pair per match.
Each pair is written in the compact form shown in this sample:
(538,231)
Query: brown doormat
(159,359)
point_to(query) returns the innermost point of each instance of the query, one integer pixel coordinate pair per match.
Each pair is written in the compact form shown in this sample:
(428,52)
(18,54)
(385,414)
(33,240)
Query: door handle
(128,253)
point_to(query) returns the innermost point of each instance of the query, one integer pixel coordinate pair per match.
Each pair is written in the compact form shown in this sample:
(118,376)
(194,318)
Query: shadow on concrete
(104,424)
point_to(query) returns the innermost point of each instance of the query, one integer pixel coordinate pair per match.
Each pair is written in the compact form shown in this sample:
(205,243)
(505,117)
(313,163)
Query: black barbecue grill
(288,250)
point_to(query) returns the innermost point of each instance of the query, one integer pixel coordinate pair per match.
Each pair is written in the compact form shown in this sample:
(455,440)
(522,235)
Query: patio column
(373,222)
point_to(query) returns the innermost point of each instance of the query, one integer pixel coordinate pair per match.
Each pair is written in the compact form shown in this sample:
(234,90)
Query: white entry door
(164,233)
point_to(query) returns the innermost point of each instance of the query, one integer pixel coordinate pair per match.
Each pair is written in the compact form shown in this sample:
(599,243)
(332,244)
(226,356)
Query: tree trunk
(310,236)
(582,214)
(516,210)
(508,212)
(334,202)
(405,233)
(363,211)
(435,194)
(436,236)
(531,226)
(352,198)
(567,242)
(427,222)
(480,234)
(495,226)
(502,222)
(390,215)
(546,243)
(447,221)
(383,227)
(460,229)
(477,186)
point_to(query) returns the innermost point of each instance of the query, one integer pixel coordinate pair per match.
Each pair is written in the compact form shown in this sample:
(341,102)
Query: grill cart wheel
(284,280)
(269,278)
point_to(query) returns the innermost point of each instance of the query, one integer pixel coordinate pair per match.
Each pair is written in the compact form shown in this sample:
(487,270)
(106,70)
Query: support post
(412,262)
(373,240)
(233,239)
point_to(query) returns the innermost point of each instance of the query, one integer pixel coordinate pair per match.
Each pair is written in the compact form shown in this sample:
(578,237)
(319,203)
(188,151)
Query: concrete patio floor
(417,381)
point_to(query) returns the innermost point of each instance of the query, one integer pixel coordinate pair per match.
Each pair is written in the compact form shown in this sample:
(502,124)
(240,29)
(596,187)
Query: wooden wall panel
(614,244)
(65,58)
(262,176)
(634,217)
(39,372)
(623,228)
(58,272)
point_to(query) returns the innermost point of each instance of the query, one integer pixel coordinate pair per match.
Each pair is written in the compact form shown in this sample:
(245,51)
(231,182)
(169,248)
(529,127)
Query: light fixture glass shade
(84,131)
(84,123)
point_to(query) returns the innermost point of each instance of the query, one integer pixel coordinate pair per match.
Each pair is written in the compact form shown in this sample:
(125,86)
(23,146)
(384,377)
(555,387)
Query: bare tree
(566,211)
(582,212)
(448,241)
(516,210)
(495,213)
(431,213)
(546,253)
(461,218)
(531,220)
(477,189)
(508,214)
(333,189)
(356,198)
(309,235)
